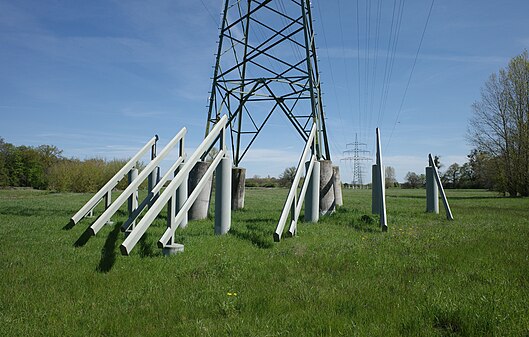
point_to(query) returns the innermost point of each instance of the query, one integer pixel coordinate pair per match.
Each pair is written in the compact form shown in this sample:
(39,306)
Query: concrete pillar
(200,207)
(108,201)
(312,197)
(132,202)
(432,192)
(223,195)
(181,197)
(172,247)
(375,190)
(152,180)
(171,214)
(337,186)
(238,179)
(327,202)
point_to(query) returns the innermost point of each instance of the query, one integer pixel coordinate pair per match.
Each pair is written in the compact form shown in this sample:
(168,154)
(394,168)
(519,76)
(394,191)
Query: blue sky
(99,78)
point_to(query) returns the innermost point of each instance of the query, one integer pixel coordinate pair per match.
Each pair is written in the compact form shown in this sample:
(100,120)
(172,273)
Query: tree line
(499,134)
(477,172)
(44,167)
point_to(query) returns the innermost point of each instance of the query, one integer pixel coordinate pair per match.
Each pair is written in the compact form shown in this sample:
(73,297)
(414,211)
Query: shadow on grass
(252,221)
(146,247)
(69,225)
(83,239)
(25,211)
(450,197)
(108,253)
(367,224)
(255,236)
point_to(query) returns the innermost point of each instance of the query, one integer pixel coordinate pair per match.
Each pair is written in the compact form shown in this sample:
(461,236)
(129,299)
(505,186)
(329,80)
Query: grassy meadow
(426,276)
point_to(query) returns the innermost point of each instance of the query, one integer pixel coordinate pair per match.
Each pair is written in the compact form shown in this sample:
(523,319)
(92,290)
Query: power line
(210,14)
(330,69)
(411,72)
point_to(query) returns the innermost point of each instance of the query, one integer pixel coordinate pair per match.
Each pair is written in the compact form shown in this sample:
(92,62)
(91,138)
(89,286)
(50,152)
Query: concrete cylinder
(238,179)
(223,199)
(337,186)
(327,202)
(312,197)
(200,207)
(375,190)
(432,192)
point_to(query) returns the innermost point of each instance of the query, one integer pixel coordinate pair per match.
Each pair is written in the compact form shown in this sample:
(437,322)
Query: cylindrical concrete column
(375,190)
(200,207)
(238,179)
(337,186)
(312,197)
(223,196)
(181,197)
(327,202)
(432,192)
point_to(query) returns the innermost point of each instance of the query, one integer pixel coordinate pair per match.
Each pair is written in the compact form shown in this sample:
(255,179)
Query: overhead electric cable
(210,14)
(330,70)
(411,72)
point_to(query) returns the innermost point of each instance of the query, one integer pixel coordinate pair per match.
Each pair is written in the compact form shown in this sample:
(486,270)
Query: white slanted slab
(441,189)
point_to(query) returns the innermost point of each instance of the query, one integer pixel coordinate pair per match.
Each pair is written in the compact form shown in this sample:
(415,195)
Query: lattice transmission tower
(266,63)
(357,156)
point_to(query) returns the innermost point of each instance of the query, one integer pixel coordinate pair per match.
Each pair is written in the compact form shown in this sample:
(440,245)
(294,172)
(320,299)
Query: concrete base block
(238,179)
(327,201)
(200,208)
(173,249)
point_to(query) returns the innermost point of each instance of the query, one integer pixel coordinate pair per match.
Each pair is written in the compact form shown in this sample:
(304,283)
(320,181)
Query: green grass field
(425,277)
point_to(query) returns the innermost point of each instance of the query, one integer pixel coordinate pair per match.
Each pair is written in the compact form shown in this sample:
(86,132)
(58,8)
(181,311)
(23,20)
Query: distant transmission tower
(266,62)
(356,155)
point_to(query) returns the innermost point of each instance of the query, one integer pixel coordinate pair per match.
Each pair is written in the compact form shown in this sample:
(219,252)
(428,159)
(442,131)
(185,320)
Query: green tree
(390,179)
(499,125)
(452,175)
(414,180)
(287,177)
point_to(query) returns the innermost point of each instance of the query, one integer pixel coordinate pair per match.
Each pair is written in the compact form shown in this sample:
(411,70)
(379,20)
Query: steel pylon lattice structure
(266,62)
(356,155)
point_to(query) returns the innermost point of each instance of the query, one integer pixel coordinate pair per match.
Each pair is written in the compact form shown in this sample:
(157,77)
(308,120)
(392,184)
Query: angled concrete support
(181,197)
(132,202)
(381,186)
(312,198)
(449,215)
(108,202)
(153,180)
